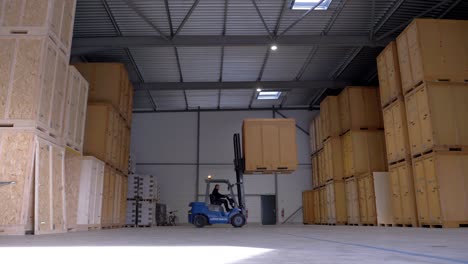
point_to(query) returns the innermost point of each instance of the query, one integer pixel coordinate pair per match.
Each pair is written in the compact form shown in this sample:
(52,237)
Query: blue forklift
(211,212)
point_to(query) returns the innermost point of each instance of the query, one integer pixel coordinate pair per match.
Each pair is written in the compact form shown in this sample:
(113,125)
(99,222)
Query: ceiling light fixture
(308,4)
(274,47)
(269,95)
(259,89)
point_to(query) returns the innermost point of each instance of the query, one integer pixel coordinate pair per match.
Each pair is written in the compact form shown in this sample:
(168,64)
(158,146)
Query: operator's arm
(217,195)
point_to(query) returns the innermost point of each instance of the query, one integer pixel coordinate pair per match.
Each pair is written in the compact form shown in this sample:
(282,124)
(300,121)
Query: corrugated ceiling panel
(243,19)
(285,63)
(206,19)
(141,101)
(169,100)
(300,97)
(157,64)
(236,98)
(325,61)
(91,19)
(243,63)
(200,64)
(202,98)
(460,11)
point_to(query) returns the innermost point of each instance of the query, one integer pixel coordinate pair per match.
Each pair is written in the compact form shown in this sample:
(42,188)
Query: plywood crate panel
(123,200)
(352,201)
(363,151)
(308,207)
(403,194)
(359,108)
(333,155)
(396,132)
(52,18)
(107,214)
(33,78)
(125,150)
(321,168)
(441,182)
(315,171)
(366,194)
(433,50)
(318,132)
(269,145)
(388,68)
(383,198)
(312,142)
(436,115)
(108,83)
(117,199)
(323,206)
(316,204)
(330,117)
(75,110)
(336,202)
(72,186)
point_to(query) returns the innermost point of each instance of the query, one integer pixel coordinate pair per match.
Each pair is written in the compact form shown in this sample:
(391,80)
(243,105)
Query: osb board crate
(316,204)
(396,132)
(90,201)
(312,142)
(269,145)
(308,207)
(330,117)
(389,74)
(323,206)
(315,171)
(336,203)
(366,194)
(363,151)
(333,155)
(108,83)
(436,115)
(359,108)
(33,78)
(383,198)
(52,18)
(431,50)
(441,184)
(352,201)
(75,110)
(72,186)
(321,168)
(403,194)
(318,132)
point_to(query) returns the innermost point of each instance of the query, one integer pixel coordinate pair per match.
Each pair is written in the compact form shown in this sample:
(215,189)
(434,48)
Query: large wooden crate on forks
(436,115)
(396,132)
(403,194)
(336,203)
(33,80)
(308,207)
(433,50)
(441,182)
(35,201)
(52,18)
(366,194)
(330,117)
(389,74)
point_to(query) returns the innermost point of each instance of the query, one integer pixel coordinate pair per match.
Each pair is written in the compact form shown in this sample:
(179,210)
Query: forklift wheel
(200,221)
(238,220)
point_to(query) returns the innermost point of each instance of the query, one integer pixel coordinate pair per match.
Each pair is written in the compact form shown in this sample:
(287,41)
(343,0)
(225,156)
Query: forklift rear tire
(200,221)
(238,220)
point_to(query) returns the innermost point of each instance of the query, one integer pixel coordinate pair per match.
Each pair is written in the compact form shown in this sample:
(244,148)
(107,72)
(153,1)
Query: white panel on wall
(165,137)
(254,207)
(290,189)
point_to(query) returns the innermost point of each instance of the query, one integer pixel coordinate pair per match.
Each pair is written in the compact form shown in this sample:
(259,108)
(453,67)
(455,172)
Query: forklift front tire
(238,220)
(200,221)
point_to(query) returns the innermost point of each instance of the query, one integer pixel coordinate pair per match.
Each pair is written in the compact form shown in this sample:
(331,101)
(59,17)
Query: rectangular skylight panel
(268,95)
(308,4)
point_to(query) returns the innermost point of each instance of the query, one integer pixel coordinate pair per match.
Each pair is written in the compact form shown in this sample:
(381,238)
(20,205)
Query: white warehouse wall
(165,145)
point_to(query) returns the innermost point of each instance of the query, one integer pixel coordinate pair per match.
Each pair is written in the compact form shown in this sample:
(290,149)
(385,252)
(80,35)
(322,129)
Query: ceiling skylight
(268,95)
(308,4)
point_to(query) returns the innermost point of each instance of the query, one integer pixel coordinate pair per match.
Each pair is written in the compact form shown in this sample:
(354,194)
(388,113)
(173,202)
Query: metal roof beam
(181,26)
(142,16)
(266,85)
(388,15)
(263,19)
(300,18)
(337,73)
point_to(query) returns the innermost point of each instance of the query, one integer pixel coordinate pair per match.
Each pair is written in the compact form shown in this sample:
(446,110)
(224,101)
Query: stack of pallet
(35,114)
(143,193)
(424,95)
(107,134)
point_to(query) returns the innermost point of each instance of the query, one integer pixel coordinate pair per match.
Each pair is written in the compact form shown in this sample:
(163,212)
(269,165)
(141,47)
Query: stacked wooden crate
(35,42)
(107,133)
(143,197)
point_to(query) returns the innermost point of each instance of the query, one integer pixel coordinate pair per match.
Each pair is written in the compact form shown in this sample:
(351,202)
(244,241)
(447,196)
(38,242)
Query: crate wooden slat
(336,203)
(316,203)
(308,207)
(318,132)
(403,194)
(330,117)
(52,18)
(366,194)
(312,142)
(383,198)
(72,186)
(436,115)
(315,171)
(323,206)
(352,201)
(389,74)
(333,155)
(396,132)
(321,168)
(34,79)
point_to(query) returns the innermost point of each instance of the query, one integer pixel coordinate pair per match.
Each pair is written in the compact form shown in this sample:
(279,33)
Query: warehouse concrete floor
(251,244)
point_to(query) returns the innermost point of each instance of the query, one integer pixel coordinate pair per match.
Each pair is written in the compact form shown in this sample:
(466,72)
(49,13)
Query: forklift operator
(220,197)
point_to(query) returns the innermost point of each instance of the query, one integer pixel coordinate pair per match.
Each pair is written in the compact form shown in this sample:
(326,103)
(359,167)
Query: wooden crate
(123,200)
(269,145)
(330,117)
(336,203)
(352,201)
(383,198)
(359,108)
(363,151)
(436,115)
(396,132)
(72,186)
(333,159)
(321,168)
(403,197)
(53,18)
(125,151)
(108,83)
(318,132)
(316,204)
(431,50)
(323,206)
(107,212)
(312,136)
(315,171)
(33,82)
(389,74)
(441,184)
(366,194)
(308,207)
(75,110)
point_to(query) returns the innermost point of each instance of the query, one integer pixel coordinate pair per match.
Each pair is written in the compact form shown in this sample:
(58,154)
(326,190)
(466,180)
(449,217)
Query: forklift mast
(239,167)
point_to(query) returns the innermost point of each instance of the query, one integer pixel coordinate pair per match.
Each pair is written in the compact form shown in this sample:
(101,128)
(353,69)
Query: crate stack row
(424,90)
(42,113)
(107,133)
(348,146)
(143,197)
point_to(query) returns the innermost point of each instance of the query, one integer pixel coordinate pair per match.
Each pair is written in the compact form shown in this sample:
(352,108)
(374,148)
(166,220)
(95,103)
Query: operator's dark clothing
(220,198)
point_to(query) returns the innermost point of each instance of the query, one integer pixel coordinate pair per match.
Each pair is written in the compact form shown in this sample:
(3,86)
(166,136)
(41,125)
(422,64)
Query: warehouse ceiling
(214,54)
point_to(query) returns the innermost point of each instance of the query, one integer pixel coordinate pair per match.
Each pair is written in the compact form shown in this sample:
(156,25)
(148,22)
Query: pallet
(392,100)
(405,225)
(385,225)
(362,129)
(447,225)
(348,224)
(447,80)
(138,226)
(16,230)
(367,225)
(39,128)
(445,149)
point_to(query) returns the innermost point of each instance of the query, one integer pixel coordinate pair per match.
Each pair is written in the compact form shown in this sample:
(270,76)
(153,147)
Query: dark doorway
(268,210)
